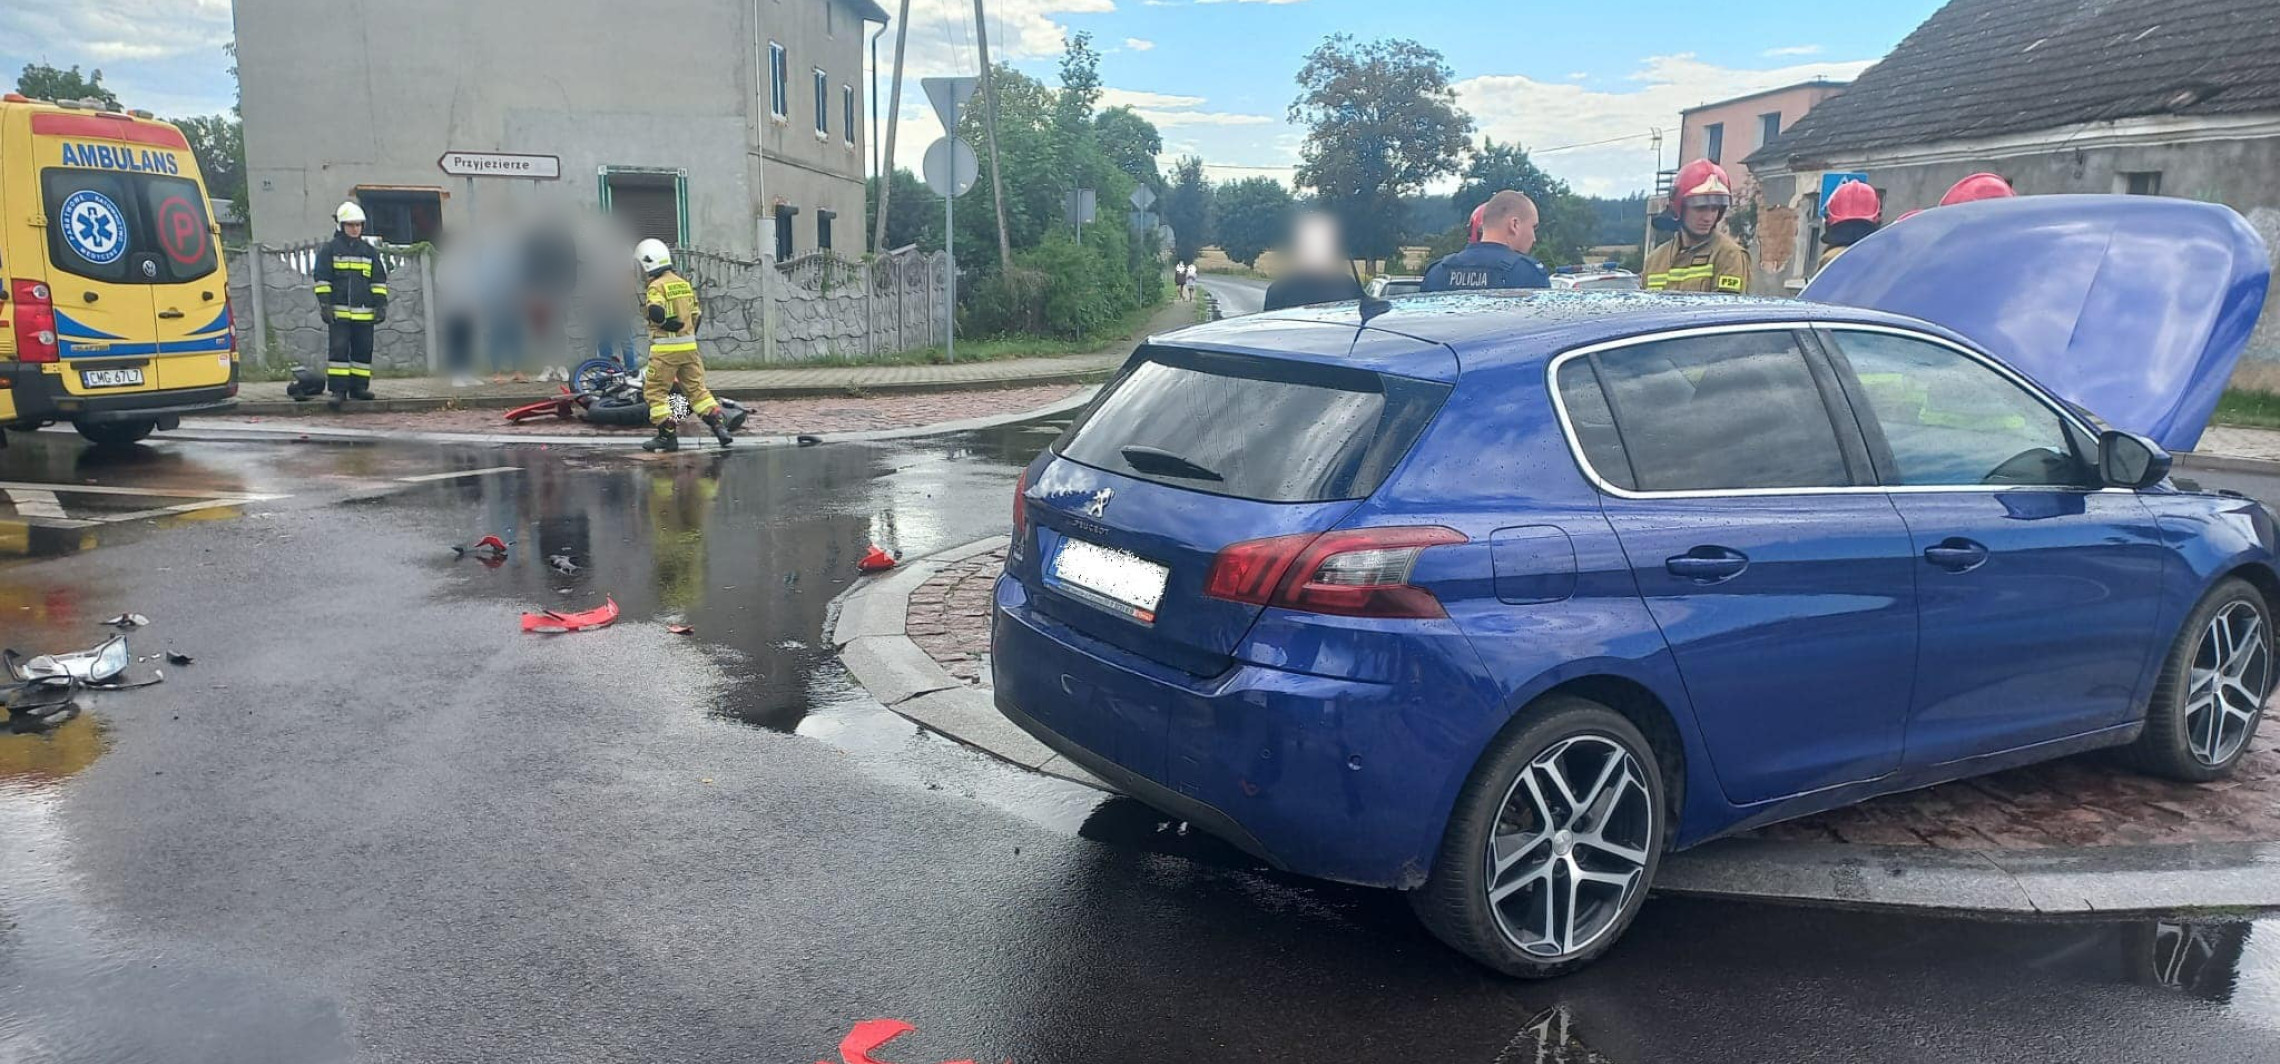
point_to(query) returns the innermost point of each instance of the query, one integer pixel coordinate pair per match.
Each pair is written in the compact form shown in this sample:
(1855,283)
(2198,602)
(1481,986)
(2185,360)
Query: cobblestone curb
(873,634)
(2069,836)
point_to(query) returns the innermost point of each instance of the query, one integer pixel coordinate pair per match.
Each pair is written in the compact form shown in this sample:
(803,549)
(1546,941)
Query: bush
(1060,288)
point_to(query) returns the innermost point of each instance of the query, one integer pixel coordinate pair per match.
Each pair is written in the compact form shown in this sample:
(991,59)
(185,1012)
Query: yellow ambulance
(114,309)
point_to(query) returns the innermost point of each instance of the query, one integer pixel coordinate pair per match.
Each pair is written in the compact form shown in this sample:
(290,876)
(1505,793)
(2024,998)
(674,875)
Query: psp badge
(94,227)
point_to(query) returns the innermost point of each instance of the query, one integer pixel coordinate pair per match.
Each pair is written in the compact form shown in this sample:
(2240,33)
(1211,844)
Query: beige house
(1726,132)
(733,126)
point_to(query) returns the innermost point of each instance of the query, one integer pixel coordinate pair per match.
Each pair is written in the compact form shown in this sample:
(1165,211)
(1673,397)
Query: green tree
(1187,208)
(1131,143)
(218,141)
(1250,216)
(1382,121)
(43,82)
(914,214)
(1074,101)
(1565,223)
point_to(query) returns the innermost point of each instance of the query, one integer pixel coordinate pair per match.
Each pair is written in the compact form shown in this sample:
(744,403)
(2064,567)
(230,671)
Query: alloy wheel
(1570,847)
(2226,683)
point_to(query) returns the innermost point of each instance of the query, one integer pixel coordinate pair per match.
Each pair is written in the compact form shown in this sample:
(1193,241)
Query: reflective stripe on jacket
(1715,265)
(679,299)
(351,275)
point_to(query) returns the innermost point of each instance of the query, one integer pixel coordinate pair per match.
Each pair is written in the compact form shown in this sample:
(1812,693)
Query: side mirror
(2128,460)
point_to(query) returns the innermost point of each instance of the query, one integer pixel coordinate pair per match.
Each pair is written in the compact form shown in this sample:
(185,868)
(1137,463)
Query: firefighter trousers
(348,358)
(668,368)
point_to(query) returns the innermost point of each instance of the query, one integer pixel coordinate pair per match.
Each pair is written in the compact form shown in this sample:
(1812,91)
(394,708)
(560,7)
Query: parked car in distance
(1387,286)
(1499,598)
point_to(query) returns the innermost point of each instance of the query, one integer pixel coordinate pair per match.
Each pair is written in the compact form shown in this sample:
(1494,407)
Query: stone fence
(813,307)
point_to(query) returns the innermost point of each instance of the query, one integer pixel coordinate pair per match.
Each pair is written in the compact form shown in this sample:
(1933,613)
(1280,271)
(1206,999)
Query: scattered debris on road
(173,658)
(127,620)
(877,560)
(551,622)
(563,564)
(489,548)
(679,629)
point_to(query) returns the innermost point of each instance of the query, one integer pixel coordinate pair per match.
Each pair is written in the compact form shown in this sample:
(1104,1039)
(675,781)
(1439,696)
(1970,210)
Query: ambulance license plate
(110,378)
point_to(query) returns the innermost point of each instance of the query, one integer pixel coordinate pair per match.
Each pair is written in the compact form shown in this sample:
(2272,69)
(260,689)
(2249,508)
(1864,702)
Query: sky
(1581,83)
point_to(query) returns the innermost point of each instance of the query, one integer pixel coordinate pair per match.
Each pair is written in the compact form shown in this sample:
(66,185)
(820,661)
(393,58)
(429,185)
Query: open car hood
(2133,307)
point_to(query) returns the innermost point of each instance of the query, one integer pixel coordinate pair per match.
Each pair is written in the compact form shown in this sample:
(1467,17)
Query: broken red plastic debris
(549,622)
(868,1036)
(679,629)
(876,560)
(526,412)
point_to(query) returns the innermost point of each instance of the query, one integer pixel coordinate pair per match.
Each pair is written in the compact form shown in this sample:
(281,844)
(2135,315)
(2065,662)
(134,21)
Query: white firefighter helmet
(653,255)
(349,214)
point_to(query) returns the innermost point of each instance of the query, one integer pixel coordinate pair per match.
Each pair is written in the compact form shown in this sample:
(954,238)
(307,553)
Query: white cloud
(1794,49)
(1541,115)
(1139,45)
(1168,111)
(118,29)
(1137,98)
(1200,2)
(1579,75)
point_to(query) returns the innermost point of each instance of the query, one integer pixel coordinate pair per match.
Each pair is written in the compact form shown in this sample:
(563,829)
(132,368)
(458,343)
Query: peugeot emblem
(1098,504)
(149,268)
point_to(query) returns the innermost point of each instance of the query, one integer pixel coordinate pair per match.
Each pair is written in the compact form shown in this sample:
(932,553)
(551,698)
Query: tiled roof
(1983,68)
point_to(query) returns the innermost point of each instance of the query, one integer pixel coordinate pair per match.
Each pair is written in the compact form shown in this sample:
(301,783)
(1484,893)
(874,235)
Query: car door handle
(1707,564)
(1956,554)
(170,314)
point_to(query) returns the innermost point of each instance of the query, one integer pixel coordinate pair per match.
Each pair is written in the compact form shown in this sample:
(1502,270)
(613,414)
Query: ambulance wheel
(115,433)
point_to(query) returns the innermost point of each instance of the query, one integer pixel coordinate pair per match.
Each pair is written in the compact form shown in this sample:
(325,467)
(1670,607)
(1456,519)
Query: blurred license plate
(109,378)
(1114,580)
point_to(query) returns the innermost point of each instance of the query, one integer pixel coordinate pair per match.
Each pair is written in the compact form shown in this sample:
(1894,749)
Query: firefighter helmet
(349,214)
(1474,236)
(1853,201)
(1700,179)
(1977,187)
(652,255)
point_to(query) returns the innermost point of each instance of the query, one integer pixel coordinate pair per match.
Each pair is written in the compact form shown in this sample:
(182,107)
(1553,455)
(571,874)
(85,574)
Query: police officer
(1498,255)
(1853,212)
(352,297)
(670,304)
(1701,258)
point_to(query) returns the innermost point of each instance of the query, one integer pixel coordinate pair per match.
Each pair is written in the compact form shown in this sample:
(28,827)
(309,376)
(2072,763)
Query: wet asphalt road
(1237,295)
(376,822)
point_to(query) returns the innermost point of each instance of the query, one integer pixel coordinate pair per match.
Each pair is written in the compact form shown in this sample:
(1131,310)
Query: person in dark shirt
(1498,258)
(1319,273)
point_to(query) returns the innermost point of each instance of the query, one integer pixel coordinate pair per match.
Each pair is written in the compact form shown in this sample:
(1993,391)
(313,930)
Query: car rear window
(1730,411)
(127,228)
(1253,428)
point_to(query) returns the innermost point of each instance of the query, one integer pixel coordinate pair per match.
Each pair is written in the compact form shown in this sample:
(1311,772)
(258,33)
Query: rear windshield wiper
(1165,463)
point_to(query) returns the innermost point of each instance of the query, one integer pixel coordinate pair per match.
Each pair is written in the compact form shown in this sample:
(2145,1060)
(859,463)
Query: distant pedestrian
(1853,212)
(1320,271)
(1498,257)
(1701,258)
(1187,284)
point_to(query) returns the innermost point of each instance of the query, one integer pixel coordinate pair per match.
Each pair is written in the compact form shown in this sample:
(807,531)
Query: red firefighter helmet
(1854,201)
(1700,179)
(1977,187)
(1474,237)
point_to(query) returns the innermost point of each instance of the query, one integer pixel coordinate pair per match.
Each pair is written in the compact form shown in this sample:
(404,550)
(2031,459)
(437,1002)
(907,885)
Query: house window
(1716,132)
(822,104)
(847,113)
(823,228)
(779,81)
(1769,127)
(651,203)
(402,215)
(784,216)
(2139,183)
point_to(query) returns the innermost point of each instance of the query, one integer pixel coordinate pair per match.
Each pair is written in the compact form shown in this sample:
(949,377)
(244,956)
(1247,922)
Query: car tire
(115,433)
(2206,706)
(1551,843)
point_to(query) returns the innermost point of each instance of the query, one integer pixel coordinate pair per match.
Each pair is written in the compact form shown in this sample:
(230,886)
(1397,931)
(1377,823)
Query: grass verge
(2248,408)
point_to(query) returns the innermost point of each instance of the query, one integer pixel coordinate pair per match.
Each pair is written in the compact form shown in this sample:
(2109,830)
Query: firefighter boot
(668,439)
(719,428)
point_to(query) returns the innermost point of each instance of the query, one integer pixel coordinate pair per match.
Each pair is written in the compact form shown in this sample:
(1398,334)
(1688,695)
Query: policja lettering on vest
(1498,257)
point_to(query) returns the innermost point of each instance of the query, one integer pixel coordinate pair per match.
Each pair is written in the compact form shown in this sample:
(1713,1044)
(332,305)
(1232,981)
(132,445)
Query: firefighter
(352,297)
(671,306)
(1853,212)
(1701,258)
(1977,187)
(1498,255)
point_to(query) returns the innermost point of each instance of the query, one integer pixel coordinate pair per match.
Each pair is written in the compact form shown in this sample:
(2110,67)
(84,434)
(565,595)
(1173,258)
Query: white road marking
(182,508)
(34,502)
(105,489)
(426,477)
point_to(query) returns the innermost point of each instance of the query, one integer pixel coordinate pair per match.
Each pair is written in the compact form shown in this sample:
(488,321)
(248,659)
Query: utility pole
(894,114)
(989,126)
(875,171)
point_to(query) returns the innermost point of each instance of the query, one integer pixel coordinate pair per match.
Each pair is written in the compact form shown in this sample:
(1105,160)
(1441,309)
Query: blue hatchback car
(1498,598)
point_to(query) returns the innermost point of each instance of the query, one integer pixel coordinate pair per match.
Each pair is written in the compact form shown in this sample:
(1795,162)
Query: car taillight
(1362,572)
(35,321)
(1021,507)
